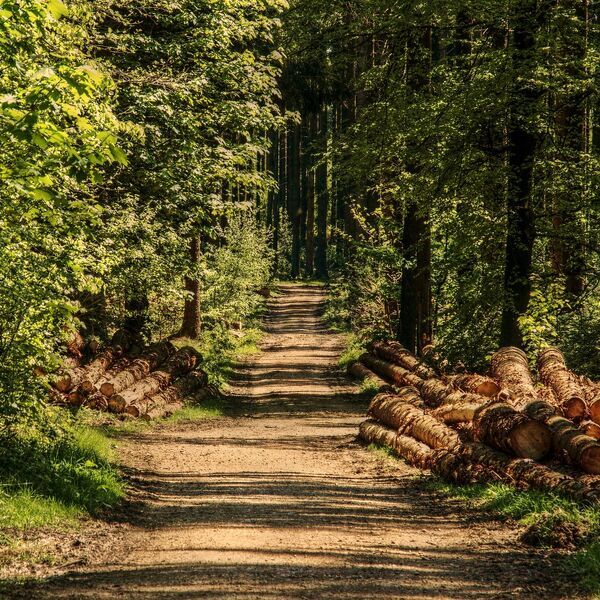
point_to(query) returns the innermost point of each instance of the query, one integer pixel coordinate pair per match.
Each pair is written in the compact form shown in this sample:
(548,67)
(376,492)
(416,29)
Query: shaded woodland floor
(277,500)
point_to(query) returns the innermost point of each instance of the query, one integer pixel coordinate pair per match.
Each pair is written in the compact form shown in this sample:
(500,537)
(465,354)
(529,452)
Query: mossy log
(565,385)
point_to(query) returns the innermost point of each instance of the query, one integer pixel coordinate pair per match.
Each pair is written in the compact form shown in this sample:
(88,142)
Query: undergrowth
(51,477)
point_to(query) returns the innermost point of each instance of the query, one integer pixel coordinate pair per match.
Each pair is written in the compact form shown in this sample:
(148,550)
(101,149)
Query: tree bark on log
(502,427)
(475,384)
(139,368)
(177,393)
(86,375)
(358,371)
(412,421)
(133,400)
(396,374)
(395,353)
(475,462)
(568,390)
(99,366)
(510,368)
(582,450)
(130,400)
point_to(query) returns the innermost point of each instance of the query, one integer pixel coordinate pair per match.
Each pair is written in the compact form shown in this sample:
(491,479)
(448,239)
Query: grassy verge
(547,520)
(69,471)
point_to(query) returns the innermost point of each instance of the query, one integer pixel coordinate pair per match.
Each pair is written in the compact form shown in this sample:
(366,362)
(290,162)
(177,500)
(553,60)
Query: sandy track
(279,501)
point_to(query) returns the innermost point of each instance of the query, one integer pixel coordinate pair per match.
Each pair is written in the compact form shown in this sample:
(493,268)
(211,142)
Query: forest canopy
(162,161)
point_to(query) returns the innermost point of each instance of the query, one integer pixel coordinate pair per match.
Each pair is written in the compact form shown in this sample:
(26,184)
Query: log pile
(146,383)
(498,427)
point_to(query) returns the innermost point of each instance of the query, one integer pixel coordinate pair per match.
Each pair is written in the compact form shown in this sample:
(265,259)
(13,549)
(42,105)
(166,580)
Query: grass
(52,478)
(24,509)
(354,350)
(221,350)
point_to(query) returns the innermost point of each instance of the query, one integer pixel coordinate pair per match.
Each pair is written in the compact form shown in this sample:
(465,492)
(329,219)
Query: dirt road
(279,501)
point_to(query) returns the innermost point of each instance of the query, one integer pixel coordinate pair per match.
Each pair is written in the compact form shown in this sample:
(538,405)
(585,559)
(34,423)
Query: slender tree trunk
(281,199)
(415,323)
(294,202)
(272,171)
(568,252)
(192,323)
(322,200)
(310,196)
(521,153)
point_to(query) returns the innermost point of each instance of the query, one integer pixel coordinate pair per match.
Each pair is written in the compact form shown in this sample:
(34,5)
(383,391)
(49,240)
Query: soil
(279,500)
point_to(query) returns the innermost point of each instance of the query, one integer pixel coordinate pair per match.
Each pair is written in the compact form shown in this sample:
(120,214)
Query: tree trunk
(322,198)
(310,197)
(294,199)
(521,154)
(192,322)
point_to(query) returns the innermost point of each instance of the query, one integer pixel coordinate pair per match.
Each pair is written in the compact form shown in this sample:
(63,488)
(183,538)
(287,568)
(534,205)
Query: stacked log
(158,382)
(394,352)
(86,376)
(510,368)
(396,374)
(177,393)
(502,427)
(569,392)
(134,399)
(475,384)
(138,369)
(475,428)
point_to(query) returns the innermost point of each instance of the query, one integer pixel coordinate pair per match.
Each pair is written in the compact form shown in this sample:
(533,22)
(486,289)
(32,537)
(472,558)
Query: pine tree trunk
(310,197)
(294,199)
(521,154)
(322,199)
(192,323)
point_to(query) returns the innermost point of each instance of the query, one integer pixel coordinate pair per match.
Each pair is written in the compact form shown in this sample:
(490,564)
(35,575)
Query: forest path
(277,500)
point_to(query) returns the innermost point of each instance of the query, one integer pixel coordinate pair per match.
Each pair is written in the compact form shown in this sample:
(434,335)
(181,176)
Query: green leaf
(57,9)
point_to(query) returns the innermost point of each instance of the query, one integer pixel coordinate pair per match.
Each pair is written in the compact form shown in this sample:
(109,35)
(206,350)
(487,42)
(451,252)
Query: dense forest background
(163,161)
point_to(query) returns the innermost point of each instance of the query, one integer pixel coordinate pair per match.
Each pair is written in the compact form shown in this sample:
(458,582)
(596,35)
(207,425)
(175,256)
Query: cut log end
(591,429)
(531,439)
(590,460)
(107,389)
(574,409)
(488,388)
